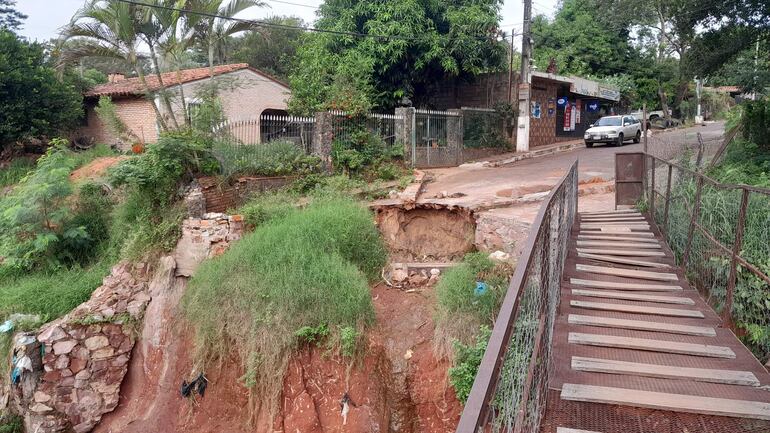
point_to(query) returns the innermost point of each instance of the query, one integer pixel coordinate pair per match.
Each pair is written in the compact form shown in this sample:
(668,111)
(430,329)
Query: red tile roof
(132,86)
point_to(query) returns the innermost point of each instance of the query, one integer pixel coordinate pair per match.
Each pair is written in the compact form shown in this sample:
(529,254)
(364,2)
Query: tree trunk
(163,90)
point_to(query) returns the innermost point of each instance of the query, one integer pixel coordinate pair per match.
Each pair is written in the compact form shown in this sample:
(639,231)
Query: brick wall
(220,197)
(543,130)
(484,92)
(136,113)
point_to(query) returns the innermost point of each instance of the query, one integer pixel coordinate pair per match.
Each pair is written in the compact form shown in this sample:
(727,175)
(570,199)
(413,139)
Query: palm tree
(108,29)
(214,32)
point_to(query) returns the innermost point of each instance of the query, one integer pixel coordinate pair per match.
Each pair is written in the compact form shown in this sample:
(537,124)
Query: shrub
(276,158)
(280,282)
(461,308)
(466,363)
(267,207)
(150,216)
(11,424)
(15,171)
(359,149)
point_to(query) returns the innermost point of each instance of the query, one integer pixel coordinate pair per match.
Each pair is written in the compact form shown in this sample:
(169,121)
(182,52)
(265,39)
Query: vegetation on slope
(306,269)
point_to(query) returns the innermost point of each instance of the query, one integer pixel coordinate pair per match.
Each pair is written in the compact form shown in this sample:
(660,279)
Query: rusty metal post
(699,161)
(693,219)
(727,314)
(668,200)
(652,191)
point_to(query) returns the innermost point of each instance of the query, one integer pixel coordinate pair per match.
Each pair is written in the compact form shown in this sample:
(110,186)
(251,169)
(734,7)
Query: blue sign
(592,106)
(561,102)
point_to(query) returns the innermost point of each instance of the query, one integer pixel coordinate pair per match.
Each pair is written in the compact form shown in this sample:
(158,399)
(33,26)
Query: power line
(282,26)
(294,4)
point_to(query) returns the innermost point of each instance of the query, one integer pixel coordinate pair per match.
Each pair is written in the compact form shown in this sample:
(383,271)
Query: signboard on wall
(551,107)
(578,109)
(562,101)
(592,106)
(573,116)
(568,117)
(536,109)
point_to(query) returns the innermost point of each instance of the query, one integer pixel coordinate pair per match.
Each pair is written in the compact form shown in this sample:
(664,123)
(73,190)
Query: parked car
(614,129)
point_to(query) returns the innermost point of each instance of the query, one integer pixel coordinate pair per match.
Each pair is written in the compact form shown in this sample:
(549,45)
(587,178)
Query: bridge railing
(508,394)
(720,235)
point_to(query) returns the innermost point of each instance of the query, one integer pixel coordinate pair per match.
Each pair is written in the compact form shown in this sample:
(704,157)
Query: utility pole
(522,130)
(698,91)
(510,69)
(756,64)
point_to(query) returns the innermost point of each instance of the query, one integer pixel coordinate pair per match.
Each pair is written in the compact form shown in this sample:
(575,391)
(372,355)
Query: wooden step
(650,345)
(573,430)
(628,273)
(612,212)
(621,260)
(611,219)
(614,225)
(610,366)
(641,325)
(600,237)
(666,401)
(614,234)
(612,252)
(633,296)
(617,244)
(636,309)
(623,286)
(615,229)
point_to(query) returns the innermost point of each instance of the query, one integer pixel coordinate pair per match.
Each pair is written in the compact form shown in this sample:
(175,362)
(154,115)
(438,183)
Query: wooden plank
(618,244)
(612,259)
(610,294)
(605,226)
(616,229)
(610,366)
(606,237)
(651,345)
(615,224)
(628,273)
(573,430)
(623,286)
(641,325)
(636,309)
(612,212)
(611,252)
(611,219)
(666,401)
(617,233)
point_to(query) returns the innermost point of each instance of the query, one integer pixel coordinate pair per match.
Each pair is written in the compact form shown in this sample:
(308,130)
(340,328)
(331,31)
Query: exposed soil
(426,233)
(398,387)
(96,168)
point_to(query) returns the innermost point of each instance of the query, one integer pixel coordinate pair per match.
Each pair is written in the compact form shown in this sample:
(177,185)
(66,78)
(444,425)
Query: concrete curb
(535,154)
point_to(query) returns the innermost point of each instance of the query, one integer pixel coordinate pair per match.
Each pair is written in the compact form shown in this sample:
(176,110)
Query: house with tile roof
(244,92)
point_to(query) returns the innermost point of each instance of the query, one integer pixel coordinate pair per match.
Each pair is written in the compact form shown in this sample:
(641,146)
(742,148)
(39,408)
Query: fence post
(668,199)
(323,134)
(693,219)
(727,314)
(652,190)
(454,133)
(404,130)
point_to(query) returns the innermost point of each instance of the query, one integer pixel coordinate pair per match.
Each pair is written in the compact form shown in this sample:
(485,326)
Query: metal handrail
(477,406)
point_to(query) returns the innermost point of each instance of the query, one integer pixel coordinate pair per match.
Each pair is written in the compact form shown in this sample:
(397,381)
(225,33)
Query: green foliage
(34,216)
(348,341)
(150,217)
(487,130)
(756,123)
(15,171)
(267,207)
(357,150)
(276,158)
(312,334)
(11,424)
(466,364)
(306,269)
(207,113)
(460,311)
(33,102)
(271,49)
(432,41)
(10,18)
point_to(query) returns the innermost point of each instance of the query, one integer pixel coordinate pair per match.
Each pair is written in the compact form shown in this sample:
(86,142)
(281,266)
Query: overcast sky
(47,16)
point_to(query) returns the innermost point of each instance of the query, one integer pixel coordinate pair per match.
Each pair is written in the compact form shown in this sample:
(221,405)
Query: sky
(45,17)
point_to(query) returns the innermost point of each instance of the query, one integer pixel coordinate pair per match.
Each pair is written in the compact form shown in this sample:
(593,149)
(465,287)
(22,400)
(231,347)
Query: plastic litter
(7,326)
(196,386)
(481,288)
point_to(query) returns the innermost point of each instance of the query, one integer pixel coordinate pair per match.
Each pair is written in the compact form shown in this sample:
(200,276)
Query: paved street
(539,174)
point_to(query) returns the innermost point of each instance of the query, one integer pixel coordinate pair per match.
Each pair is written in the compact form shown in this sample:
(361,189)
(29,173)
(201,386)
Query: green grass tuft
(289,278)
(17,169)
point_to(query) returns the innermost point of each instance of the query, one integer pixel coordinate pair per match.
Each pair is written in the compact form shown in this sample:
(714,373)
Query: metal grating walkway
(649,354)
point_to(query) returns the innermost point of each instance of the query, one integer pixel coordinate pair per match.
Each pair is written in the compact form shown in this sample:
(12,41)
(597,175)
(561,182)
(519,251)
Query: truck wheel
(589,144)
(638,137)
(620,140)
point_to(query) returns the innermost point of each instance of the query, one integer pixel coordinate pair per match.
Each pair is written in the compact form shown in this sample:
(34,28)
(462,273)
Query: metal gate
(437,139)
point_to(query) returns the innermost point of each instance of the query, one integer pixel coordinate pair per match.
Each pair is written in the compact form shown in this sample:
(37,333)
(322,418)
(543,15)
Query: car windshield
(608,121)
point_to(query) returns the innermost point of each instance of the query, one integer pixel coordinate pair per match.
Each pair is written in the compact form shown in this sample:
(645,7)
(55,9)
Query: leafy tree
(271,50)
(749,70)
(425,42)
(581,41)
(10,18)
(33,102)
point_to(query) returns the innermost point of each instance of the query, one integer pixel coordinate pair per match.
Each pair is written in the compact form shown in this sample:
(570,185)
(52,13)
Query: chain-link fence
(345,126)
(720,235)
(509,392)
